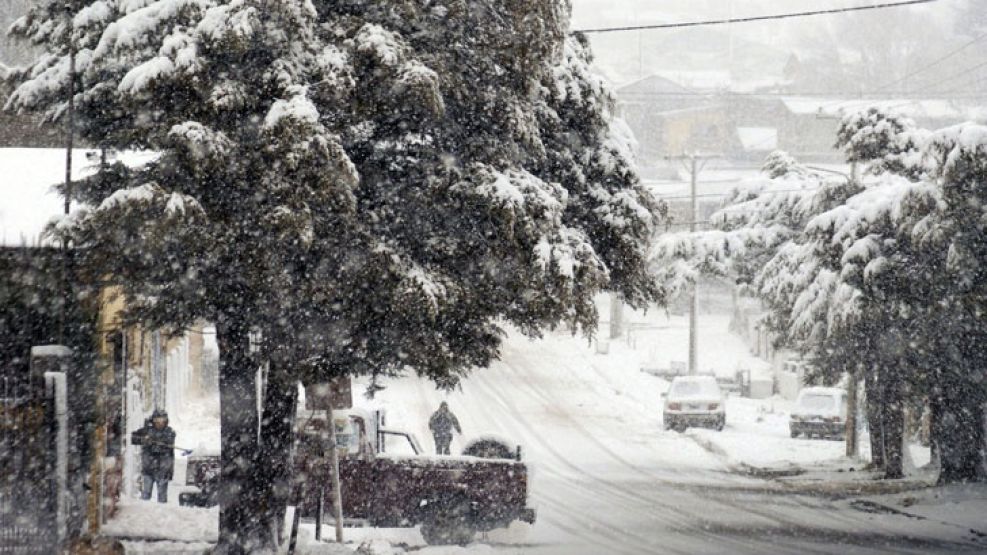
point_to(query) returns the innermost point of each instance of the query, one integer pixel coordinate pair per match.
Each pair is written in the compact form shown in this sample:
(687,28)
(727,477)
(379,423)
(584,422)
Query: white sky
(610,49)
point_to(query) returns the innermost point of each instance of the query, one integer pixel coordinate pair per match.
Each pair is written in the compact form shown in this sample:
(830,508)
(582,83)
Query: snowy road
(607,479)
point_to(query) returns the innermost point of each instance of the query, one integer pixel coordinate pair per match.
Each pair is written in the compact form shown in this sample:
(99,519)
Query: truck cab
(387,481)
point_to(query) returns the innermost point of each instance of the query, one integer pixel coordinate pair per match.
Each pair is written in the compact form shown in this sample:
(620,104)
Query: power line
(755,18)
(851,96)
(932,64)
(952,77)
(724,195)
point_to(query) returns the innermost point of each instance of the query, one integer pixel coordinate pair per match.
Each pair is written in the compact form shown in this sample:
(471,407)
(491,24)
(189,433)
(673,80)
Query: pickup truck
(451,498)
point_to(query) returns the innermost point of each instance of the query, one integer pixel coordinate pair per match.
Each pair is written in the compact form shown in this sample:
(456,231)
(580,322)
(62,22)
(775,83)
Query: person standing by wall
(157,441)
(442,422)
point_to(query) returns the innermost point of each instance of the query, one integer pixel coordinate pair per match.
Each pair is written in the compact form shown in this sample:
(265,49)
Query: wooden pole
(296,514)
(694,297)
(337,497)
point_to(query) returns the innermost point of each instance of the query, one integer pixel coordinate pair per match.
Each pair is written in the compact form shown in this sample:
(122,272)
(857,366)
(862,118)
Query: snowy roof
(822,391)
(654,84)
(29,200)
(916,109)
(758,138)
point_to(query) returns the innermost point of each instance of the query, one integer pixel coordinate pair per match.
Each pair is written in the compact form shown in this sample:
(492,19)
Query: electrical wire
(754,18)
(932,64)
(952,77)
(721,195)
(629,96)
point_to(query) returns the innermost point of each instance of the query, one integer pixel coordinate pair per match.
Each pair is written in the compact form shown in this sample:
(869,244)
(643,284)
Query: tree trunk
(851,416)
(274,466)
(960,431)
(894,426)
(935,416)
(875,419)
(239,530)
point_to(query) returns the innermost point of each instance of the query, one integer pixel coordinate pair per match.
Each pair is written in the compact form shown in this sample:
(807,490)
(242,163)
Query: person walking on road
(442,422)
(157,441)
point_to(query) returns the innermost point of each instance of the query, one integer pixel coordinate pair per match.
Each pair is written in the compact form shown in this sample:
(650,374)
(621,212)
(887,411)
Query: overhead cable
(749,19)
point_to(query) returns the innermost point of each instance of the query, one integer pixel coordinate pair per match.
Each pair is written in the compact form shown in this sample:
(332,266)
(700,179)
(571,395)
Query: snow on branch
(516,190)
(199,141)
(233,23)
(93,14)
(298,109)
(140,194)
(966,143)
(566,252)
(143,24)
(146,74)
(381,44)
(181,204)
(889,202)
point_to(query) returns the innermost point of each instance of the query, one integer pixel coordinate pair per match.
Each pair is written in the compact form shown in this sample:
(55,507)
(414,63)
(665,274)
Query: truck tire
(449,523)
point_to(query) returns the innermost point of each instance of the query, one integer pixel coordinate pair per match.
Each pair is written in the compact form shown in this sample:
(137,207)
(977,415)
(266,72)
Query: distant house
(143,368)
(669,119)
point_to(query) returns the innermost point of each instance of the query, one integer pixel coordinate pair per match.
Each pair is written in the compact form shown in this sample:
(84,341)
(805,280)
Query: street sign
(337,394)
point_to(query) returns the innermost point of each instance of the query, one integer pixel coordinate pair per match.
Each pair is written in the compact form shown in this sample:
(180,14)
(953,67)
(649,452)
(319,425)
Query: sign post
(337,394)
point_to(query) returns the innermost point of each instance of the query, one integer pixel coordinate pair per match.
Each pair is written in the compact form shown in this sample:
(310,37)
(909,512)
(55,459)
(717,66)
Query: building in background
(133,370)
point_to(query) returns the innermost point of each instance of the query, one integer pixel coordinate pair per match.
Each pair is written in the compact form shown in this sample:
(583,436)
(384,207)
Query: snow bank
(757,435)
(962,505)
(150,520)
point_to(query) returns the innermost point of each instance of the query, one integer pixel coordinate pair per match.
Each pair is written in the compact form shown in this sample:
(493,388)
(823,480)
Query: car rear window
(817,402)
(695,389)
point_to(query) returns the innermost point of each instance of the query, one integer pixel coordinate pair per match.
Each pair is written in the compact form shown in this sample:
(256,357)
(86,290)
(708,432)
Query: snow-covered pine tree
(246,180)
(452,117)
(885,141)
(368,180)
(828,306)
(894,241)
(952,230)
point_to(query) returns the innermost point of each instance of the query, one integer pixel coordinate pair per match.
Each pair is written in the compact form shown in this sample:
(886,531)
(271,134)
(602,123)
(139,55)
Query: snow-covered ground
(605,476)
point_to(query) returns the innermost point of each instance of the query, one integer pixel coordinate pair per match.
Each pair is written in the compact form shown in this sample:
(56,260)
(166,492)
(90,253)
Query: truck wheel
(449,524)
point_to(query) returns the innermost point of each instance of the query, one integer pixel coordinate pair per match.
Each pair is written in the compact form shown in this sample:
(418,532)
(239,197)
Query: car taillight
(714,406)
(675,406)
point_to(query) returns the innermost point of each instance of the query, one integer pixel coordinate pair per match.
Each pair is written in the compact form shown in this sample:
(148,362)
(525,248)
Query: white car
(694,401)
(819,411)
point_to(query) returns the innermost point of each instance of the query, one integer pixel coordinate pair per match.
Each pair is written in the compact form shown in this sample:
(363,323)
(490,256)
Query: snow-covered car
(694,401)
(819,411)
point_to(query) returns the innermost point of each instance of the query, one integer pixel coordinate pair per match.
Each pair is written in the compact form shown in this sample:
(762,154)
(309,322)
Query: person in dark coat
(442,422)
(157,441)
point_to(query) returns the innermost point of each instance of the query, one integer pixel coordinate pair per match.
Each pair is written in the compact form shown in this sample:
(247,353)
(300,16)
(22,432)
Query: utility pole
(696,162)
(694,297)
(616,315)
(852,441)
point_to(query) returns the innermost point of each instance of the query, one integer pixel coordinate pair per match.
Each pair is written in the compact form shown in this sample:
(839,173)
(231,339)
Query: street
(607,479)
